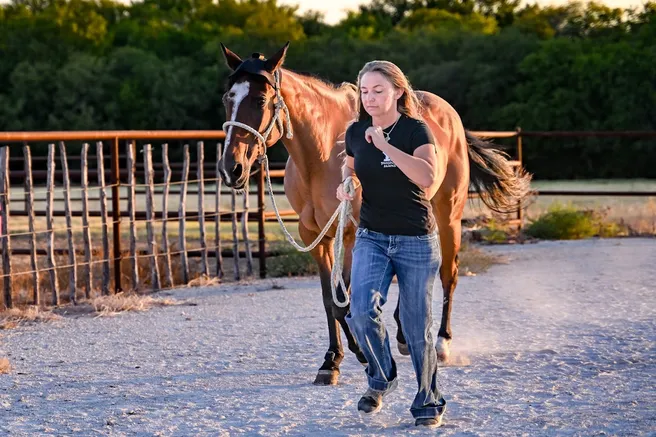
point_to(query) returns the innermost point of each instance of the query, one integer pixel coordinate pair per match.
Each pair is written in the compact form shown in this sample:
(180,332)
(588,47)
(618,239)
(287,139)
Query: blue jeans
(415,260)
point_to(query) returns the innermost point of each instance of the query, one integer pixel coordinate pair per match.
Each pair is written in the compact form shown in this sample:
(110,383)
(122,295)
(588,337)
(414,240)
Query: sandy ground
(560,341)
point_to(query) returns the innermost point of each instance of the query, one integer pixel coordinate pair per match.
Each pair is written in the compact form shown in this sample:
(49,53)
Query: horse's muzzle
(234,177)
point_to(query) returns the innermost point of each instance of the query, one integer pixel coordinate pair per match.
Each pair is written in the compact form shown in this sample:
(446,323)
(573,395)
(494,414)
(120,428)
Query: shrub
(494,232)
(291,262)
(567,223)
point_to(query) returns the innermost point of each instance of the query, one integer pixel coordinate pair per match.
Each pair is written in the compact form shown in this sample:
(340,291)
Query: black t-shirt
(391,203)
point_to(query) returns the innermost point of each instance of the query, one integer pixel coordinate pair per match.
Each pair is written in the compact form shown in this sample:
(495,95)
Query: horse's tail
(500,186)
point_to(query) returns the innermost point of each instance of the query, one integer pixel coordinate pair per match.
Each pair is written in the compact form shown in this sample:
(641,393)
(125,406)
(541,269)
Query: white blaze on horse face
(236,96)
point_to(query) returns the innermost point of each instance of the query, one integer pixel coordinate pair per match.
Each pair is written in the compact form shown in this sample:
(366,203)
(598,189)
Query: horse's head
(251,99)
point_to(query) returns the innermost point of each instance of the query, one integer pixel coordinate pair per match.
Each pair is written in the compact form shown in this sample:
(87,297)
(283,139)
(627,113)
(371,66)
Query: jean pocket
(427,237)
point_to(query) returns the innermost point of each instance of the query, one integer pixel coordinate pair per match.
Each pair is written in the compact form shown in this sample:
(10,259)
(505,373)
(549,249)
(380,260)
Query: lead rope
(343,211)
(336,277)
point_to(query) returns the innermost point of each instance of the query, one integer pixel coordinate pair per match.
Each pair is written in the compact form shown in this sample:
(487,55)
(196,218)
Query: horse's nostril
(236,171)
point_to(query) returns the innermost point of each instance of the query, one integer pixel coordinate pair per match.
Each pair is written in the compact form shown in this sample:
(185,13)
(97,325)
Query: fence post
(166,250)
(116,215)
(132,202)
(261,237)
(29,207)
(100,157)
(50,187)
(4,226)
(86,232)
(150,216)
(520,213)
(72,278)
(25,196)
(200,148)
(182,215)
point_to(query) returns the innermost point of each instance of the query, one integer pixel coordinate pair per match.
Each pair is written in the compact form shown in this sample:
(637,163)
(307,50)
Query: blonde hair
(407,104)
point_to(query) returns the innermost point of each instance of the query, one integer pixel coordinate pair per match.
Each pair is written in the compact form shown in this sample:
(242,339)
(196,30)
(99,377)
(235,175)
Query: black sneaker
(372,400)
(403,348)
(429,422)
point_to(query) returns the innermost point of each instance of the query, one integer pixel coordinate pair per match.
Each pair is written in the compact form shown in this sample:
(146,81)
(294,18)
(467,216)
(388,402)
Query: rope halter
(279,106)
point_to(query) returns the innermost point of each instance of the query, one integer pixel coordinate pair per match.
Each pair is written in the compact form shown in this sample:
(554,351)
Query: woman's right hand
(342,194)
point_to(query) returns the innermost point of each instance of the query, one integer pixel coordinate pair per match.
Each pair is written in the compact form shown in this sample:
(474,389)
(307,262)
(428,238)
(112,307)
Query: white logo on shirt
(387,162)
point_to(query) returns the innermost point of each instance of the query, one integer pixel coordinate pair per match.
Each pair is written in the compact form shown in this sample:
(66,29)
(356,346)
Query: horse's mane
(347,90)
(348,86)
(318,79)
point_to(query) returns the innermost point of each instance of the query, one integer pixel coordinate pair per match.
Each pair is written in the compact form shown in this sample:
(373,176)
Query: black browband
(256,64)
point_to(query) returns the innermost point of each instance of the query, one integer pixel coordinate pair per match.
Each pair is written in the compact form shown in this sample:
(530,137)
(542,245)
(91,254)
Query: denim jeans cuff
(428,412)
(382,386)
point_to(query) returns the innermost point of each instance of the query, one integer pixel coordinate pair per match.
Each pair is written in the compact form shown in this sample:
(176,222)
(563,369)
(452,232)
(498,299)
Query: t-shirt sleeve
(347,140)
(420,135)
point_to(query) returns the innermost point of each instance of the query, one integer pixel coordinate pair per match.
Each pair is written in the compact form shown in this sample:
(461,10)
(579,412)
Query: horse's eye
(261,101)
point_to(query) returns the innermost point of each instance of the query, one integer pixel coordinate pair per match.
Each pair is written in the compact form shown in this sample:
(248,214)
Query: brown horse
(264,102)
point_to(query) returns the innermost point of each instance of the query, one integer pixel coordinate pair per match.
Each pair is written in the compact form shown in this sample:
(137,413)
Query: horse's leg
(322,254)
(448,221)
(401,344)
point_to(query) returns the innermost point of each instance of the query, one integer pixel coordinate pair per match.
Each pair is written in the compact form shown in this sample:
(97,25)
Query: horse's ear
(232,59)
(276,60)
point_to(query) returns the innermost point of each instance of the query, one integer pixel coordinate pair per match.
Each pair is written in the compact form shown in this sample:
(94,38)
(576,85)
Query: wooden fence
(131,158)
(113,188)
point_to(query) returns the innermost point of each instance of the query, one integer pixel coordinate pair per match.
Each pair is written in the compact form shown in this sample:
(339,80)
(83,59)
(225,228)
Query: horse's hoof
(327,377)
(442,348)
(403,348)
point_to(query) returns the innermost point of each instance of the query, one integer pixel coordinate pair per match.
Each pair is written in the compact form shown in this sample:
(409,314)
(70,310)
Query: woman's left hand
(375,134)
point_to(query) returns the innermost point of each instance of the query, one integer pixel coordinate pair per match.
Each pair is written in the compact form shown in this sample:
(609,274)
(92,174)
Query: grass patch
(103,306)
(122,302)
(14,317)
(495,231)
(474,260)
(99,306)
(291,262)
(490,230)
(565,222)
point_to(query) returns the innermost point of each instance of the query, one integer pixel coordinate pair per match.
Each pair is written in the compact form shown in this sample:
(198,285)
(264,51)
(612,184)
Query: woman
(400,167)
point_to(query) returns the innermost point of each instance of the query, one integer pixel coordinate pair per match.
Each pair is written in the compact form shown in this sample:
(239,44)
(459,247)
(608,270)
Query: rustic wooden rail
(118,140)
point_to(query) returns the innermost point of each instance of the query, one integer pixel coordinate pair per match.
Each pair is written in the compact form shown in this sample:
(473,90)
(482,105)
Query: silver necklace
(387,134)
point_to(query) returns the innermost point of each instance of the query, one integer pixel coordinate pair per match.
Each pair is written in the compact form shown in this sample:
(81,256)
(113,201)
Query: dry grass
(14,317)
(114,304)
(122,302)
(98,306)
(5,366)
(204,281)
(474,260)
